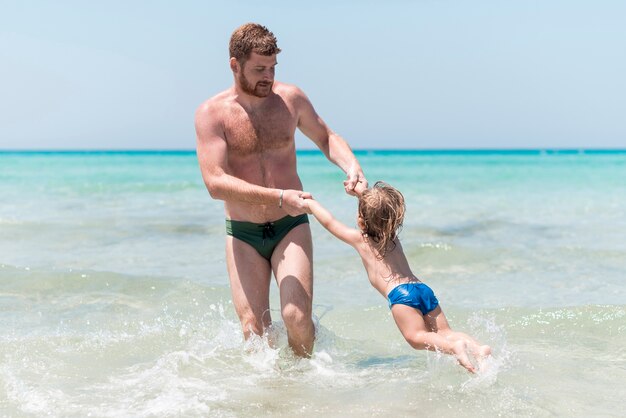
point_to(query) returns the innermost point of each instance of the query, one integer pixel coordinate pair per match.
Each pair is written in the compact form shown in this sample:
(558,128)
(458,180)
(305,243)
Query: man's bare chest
(253,132)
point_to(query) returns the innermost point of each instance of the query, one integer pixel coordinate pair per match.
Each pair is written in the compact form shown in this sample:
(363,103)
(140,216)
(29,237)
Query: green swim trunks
(264,237)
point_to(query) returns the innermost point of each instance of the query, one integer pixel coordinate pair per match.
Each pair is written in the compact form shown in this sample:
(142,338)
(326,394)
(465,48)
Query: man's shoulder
(215,105)
(288,91)
(219,100)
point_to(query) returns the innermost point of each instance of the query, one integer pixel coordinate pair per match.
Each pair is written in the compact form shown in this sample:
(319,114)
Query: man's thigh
(250,276)
(292,263)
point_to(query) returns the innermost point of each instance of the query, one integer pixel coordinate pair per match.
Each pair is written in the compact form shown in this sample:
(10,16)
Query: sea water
(114,297)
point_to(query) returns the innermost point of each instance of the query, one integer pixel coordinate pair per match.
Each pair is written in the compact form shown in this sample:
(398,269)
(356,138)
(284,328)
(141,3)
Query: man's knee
(251,324)
(296,317)
(249,328)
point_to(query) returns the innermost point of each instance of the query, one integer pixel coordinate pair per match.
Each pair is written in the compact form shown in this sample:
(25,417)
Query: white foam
(487,331)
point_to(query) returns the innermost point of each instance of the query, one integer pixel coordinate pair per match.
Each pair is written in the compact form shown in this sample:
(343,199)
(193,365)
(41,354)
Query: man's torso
(261,149)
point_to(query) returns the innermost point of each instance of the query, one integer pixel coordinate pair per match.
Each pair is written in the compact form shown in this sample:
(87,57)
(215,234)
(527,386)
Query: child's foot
(482,354)
(460,352)
(483,351)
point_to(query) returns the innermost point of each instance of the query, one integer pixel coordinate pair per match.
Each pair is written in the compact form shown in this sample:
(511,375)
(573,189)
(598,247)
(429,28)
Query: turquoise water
(114,297)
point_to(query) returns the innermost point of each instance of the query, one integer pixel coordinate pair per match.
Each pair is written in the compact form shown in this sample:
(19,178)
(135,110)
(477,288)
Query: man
(246,151)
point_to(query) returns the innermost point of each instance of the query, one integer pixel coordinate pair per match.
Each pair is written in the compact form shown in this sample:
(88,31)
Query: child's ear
(361,223)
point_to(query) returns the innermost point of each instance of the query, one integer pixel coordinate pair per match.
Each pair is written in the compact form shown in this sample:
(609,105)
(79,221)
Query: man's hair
(381,209)
(252,37)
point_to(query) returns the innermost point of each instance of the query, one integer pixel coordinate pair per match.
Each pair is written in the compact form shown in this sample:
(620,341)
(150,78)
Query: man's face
(256,75)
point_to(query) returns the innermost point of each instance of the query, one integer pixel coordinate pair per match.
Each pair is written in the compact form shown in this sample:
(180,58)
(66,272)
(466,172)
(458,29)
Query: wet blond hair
(381,209)
(252,37)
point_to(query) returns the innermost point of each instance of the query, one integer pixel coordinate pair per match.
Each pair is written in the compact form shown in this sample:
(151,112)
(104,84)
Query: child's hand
(293,202)
(305,204)
(309,203)
(355,182)
(360,187)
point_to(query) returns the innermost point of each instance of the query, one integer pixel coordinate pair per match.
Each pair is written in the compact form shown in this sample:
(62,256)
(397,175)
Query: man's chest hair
(254,132)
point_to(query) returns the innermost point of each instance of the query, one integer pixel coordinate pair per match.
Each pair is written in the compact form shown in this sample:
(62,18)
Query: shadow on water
(401,361)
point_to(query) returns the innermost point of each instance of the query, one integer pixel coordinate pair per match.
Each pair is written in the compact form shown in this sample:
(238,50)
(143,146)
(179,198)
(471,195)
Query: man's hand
(356,183)
(294,202)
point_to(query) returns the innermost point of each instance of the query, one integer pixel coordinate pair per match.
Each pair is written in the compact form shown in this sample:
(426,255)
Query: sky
(423,74)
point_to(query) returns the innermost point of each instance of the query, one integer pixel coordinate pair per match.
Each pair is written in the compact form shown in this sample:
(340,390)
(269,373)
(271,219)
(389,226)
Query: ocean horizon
(522,151)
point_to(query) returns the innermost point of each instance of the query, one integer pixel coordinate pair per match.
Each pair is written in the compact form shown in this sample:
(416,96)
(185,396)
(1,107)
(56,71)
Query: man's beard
(260,89)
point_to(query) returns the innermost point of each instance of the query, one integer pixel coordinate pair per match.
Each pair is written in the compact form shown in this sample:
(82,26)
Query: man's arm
(327,220)
(334,147)
(212,152)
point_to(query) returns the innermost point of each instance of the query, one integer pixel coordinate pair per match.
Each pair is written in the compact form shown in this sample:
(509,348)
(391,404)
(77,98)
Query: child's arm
(346,234)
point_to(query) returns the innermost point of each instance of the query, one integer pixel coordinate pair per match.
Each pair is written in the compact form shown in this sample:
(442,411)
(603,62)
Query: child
(413,304)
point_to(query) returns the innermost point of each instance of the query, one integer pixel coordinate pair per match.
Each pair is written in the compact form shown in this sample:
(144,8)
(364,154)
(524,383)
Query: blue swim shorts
(414,294)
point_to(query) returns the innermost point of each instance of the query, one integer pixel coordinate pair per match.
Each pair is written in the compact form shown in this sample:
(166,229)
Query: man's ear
(234,65)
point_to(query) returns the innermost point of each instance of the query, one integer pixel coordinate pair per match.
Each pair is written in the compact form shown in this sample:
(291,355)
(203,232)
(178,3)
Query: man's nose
(268,74)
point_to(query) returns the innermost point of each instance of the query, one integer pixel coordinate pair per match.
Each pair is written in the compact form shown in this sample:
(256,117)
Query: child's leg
(436,321)
(480,350)
(415,331)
